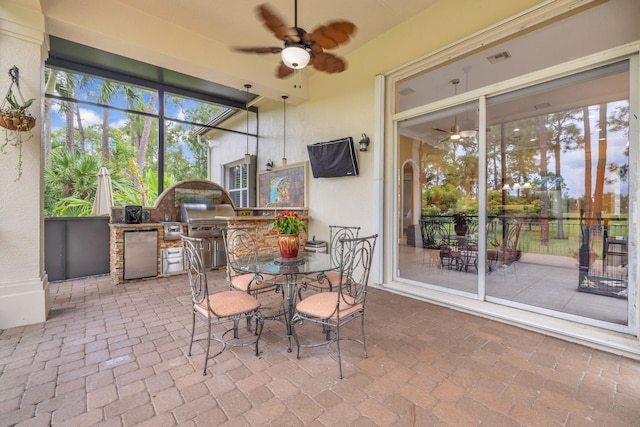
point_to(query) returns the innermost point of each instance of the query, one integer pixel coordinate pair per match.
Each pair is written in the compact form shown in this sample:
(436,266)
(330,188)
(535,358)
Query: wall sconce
(364,142)
(269,164)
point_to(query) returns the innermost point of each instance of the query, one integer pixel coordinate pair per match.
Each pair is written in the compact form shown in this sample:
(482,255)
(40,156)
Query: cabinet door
(219,253)
(207,253)
(140,254)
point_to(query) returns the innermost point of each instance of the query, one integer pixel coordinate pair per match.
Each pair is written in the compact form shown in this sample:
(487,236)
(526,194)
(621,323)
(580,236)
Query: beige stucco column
(24,287)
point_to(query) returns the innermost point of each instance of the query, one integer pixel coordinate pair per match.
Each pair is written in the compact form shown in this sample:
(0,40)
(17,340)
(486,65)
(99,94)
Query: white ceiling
(217,27)
(235,23)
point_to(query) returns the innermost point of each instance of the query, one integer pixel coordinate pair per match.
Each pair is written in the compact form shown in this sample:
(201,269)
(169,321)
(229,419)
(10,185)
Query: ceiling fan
(300,47)
(466,130)
(454,133)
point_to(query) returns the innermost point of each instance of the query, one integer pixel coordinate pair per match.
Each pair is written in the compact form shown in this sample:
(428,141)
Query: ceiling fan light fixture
(455,133)
(468,129)
(295,57)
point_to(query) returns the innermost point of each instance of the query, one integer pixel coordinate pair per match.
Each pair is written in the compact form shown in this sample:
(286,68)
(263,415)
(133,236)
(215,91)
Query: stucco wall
(24,295)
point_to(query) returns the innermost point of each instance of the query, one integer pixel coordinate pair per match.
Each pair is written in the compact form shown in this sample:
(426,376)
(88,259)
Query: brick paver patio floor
(117,356)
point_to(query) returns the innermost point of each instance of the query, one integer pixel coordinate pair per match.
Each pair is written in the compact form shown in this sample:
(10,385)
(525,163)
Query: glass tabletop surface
(305,263)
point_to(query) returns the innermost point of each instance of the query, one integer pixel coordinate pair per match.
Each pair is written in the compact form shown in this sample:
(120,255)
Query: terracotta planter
(289,245)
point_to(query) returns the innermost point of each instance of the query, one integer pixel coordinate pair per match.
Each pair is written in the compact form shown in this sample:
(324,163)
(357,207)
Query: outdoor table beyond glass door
(289,273)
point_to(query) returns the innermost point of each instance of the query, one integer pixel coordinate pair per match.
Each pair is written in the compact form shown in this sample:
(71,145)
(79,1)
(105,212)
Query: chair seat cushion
(323,305)
(244,282)
(229,303)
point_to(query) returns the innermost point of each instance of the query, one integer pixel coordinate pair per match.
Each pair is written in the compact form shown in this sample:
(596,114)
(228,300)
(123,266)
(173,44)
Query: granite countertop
(265,214)
(143,225)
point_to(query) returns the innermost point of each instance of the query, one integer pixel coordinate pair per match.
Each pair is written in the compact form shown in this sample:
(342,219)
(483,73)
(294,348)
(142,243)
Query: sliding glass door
(558,194)
(529,209)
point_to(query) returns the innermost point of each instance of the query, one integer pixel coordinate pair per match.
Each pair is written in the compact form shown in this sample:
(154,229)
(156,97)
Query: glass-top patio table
(291,273)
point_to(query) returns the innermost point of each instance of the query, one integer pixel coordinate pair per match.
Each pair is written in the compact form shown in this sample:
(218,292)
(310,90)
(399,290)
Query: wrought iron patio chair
(327,280)
(507,252)
(450,256)
(334,309)
(220,307)
(241,246)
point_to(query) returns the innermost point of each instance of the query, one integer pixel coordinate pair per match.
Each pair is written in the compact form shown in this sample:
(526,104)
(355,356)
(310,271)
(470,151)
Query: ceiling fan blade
(284,71)
(322,39)
(333,34)
(276,25)
(259,50)
(345,27)
(315,47)
(442,130)
(329,63)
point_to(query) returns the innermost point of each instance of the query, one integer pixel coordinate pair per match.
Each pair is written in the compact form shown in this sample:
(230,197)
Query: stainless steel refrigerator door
(140,254)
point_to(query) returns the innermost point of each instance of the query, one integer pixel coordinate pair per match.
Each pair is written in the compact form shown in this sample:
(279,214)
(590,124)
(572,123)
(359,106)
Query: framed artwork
(283,187)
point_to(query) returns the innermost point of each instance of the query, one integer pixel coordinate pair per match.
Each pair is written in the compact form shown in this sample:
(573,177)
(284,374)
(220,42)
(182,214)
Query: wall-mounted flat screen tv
(333,158)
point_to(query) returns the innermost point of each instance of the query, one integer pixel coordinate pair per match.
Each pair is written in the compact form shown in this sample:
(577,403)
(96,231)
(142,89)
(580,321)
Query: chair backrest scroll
(357,254)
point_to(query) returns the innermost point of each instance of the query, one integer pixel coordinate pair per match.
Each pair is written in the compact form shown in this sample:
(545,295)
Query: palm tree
(69,179)
(55,84)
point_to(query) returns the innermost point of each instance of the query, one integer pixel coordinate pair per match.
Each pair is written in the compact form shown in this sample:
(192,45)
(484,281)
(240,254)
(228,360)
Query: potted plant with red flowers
(289,225)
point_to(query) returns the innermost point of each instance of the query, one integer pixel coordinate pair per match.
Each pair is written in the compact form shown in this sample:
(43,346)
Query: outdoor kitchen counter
(143,226)
(116,244)
(262,217)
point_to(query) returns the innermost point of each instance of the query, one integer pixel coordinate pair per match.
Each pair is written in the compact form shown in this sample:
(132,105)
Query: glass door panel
(558,193)
(439,199)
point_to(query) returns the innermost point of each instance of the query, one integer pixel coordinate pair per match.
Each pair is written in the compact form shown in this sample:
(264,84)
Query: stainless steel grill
(205,220)
(208,221)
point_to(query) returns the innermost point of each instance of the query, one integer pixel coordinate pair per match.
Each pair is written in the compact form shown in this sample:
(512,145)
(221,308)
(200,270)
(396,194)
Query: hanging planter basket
(14,114)
(15,118)
(21,122)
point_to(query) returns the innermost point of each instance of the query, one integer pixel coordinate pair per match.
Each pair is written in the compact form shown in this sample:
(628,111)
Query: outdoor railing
(561,237)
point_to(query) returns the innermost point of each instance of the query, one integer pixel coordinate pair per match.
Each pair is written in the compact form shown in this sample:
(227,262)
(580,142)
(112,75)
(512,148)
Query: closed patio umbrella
(104,196)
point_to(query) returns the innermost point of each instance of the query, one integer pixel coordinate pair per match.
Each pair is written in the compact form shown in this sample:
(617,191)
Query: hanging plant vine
(16,119)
